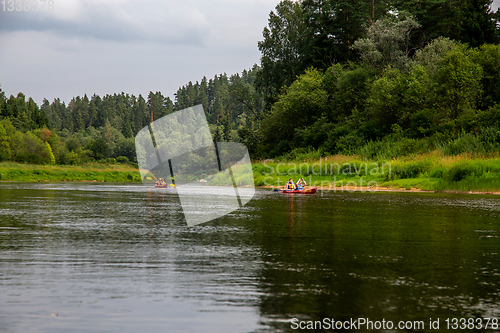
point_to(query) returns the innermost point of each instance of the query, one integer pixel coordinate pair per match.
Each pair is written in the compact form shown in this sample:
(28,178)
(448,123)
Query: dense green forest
(103,128)
(364,77)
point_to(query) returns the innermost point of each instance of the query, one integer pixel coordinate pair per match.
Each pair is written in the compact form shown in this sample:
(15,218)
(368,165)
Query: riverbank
(431,172)
(427,172)
(97,172)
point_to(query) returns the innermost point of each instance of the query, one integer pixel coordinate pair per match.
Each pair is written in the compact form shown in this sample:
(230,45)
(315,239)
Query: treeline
(84,130)
(445,97)
(319,33)
(103,128)
(388,79)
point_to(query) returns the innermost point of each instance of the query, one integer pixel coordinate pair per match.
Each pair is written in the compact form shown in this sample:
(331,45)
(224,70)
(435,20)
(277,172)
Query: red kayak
(304,191)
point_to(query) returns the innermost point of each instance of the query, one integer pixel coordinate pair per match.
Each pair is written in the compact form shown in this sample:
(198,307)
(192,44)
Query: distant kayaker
(290,185)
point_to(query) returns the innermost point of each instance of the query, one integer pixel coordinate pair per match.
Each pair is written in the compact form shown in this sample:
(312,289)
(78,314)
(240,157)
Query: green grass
(431,172)
(11,171)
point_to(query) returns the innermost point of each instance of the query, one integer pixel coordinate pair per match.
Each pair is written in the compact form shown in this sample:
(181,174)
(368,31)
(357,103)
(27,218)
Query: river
(81,257)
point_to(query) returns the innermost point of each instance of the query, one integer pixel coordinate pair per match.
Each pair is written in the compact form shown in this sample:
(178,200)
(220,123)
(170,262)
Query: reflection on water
(113,258)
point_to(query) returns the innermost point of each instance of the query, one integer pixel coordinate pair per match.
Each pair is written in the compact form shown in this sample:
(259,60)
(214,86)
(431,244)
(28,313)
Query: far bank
(96,172)
(424,172)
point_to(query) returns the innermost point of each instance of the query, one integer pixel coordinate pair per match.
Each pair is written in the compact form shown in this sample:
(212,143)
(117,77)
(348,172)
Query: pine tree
(139,110)
(34,114)
(3,103)
(75,108)
(479,25)
(203,94)
(286,38)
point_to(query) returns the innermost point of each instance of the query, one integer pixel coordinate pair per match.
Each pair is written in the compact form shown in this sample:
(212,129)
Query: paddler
(290,185)
(301,183)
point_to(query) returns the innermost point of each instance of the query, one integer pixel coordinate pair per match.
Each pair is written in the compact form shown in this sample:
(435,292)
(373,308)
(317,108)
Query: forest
(362,77)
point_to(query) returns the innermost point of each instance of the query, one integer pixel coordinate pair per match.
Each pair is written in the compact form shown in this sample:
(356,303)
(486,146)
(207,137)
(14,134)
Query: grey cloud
(124,21)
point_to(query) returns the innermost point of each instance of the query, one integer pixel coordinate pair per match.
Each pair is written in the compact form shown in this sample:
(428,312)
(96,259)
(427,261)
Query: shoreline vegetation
(91,172)
(431,172)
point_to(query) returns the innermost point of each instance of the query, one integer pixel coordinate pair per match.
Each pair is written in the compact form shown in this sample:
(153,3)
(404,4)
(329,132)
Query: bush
(349,144)
(392,147)
(461,171)
(122,159)
(302,154)
(465,143)
(72,158)
(99,148)
(490,138)
(31,149)
(411,169)
(125,148)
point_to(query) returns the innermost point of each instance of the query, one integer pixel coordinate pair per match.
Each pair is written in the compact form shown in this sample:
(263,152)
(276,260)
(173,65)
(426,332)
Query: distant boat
(304,191)
(164,186)
(203,181)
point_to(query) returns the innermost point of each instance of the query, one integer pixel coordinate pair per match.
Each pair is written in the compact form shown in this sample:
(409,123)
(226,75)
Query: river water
(120,258)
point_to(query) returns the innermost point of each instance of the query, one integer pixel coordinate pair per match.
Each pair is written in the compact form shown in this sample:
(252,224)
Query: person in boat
(300,184)
(162,181)
(290,185)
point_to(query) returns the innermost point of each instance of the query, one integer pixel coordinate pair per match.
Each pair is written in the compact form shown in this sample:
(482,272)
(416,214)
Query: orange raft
(163,186)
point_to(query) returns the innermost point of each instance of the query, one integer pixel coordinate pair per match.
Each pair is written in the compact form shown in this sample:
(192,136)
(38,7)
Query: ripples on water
(119,258)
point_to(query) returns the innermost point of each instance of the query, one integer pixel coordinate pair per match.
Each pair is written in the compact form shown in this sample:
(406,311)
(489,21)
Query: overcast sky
(109,46)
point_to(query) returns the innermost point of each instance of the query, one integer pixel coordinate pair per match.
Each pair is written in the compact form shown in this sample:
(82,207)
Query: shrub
(99,148)
(461,171)
(348,144)
(122,159)
(72,158)
(411,169)
(465,143)
(31,149)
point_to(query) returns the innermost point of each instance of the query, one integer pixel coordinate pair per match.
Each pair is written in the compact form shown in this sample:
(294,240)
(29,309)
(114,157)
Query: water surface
(120,258)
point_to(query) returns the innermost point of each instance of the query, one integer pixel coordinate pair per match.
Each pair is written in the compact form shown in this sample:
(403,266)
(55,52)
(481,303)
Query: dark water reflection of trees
(379,256)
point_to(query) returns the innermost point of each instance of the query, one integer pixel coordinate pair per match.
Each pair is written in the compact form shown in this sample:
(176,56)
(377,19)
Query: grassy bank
(430,172)
(89,172)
